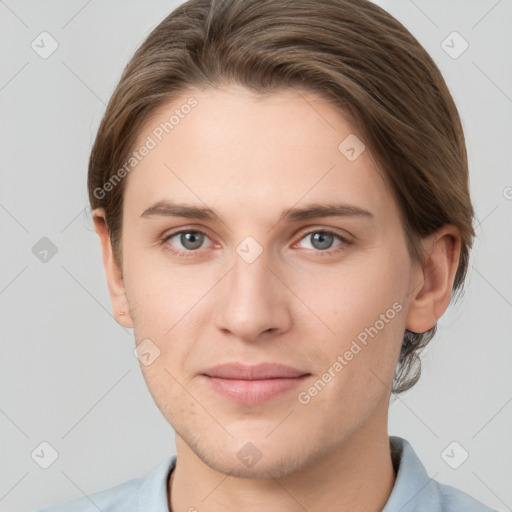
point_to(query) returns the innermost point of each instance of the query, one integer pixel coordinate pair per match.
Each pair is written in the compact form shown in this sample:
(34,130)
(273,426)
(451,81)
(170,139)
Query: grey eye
(321,240)
(191,239)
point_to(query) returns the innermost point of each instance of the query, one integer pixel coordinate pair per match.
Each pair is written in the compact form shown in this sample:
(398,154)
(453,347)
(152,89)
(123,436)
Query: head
(257,115)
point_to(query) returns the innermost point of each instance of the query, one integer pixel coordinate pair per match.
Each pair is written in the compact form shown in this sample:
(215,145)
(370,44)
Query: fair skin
(298,303)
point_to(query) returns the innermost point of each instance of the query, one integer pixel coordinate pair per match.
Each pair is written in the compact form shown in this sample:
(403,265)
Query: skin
(249,158)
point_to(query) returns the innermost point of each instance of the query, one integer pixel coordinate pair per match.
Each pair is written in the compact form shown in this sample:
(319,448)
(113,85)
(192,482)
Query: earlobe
(113,273)
(432,295)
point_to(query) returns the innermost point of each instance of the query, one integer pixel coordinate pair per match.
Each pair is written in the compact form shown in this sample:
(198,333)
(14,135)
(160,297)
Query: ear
(112,271)
(433,282)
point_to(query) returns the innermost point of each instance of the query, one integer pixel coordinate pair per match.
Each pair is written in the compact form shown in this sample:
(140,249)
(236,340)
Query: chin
(266,467)
(247,460)
(246,454)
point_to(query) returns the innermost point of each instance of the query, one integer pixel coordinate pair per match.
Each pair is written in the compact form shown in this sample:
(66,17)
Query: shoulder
(455,500)
(415,491)
(148,493)
(122,496)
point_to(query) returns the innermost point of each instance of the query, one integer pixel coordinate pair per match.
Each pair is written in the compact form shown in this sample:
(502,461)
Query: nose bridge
(253,303)
(250,278)
(250,274)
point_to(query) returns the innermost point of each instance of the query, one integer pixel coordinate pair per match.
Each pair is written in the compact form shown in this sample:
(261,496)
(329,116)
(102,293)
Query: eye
(322,240)
(188,242)
(185,241)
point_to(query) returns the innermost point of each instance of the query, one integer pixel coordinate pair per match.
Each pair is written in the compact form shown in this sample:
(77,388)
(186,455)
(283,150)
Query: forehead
(234,148)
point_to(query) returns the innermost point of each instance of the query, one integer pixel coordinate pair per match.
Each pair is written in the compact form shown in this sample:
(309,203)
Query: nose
(252,300)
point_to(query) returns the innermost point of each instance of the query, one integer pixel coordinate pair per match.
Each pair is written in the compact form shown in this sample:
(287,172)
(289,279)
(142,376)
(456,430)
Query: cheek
(160,295)
(349,299)
(363,307)
(163,383)
(170,307)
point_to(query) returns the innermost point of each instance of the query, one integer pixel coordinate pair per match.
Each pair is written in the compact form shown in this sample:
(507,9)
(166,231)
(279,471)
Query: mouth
(251,385)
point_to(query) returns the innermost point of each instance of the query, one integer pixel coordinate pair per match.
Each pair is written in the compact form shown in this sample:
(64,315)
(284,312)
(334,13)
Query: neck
(356,476)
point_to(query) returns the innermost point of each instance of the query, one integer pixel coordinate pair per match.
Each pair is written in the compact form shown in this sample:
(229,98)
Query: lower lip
(253,392)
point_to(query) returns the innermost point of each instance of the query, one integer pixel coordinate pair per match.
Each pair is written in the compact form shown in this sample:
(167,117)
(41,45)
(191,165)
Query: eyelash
(193,253)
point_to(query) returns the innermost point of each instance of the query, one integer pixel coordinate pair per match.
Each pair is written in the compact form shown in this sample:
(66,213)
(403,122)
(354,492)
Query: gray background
(68,375)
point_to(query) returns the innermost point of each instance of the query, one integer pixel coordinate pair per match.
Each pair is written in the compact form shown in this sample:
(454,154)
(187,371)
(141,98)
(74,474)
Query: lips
(251,385)
(258,372)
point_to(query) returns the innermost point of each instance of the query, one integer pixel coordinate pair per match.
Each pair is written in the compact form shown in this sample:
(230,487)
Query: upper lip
(256,372)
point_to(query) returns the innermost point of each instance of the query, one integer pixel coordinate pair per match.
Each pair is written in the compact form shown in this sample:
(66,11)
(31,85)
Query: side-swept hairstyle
(351,53)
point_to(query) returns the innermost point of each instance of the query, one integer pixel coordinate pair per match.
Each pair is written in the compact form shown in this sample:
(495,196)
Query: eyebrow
(166,208)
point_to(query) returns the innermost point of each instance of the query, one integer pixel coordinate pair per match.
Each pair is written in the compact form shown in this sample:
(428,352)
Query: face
(265,277)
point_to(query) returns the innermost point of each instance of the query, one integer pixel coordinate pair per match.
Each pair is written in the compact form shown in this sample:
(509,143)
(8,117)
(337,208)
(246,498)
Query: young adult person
(281,194)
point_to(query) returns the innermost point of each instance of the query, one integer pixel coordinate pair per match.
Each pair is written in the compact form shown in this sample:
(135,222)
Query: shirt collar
(153,495)
(411,490)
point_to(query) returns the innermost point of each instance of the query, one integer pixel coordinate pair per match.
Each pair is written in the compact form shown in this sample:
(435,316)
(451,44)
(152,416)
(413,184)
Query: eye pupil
(321,240)
(191,239)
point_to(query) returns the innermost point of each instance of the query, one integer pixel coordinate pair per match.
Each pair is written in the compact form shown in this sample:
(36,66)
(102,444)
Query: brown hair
(353,54)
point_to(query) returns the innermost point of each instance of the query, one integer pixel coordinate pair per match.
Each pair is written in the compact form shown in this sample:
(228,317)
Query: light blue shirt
(413,491)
